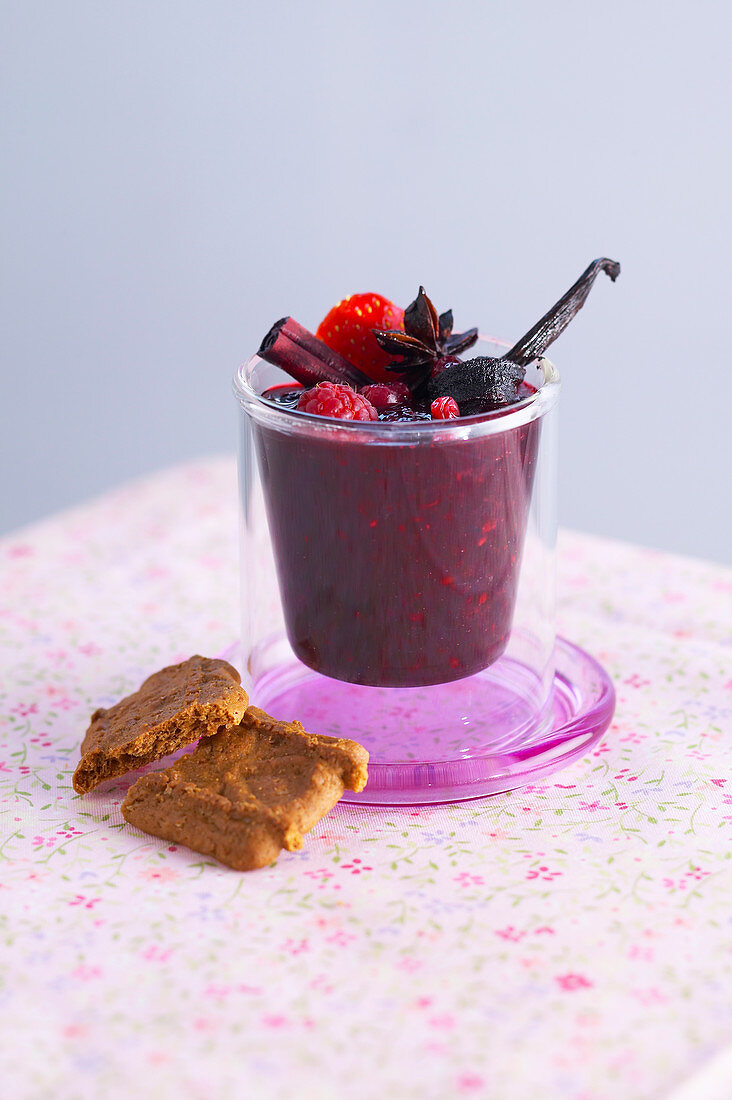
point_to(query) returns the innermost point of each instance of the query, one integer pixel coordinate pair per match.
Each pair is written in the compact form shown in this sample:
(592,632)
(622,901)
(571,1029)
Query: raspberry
(385,394)
(444,408)
(332,399)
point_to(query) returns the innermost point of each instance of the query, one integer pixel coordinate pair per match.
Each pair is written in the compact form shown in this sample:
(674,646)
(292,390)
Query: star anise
(426,343)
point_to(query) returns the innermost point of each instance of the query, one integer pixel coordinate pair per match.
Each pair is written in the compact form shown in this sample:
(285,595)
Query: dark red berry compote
(397,561)
(397,482)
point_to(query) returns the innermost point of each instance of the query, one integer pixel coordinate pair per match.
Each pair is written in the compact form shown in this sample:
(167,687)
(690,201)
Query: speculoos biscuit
(173,708)
(249,791)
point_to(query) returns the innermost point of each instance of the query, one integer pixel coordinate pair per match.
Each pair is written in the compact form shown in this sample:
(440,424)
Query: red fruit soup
(398,551)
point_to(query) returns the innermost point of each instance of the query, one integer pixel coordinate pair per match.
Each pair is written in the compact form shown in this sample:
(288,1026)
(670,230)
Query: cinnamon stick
(290,346)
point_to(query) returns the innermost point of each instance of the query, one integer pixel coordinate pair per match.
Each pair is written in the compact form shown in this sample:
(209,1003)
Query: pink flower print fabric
(569,940)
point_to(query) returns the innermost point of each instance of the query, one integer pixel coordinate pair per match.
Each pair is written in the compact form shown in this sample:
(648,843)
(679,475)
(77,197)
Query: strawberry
(347,329)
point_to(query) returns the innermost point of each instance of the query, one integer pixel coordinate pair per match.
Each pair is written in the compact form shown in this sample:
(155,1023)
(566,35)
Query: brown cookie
(248,792)
(173,707)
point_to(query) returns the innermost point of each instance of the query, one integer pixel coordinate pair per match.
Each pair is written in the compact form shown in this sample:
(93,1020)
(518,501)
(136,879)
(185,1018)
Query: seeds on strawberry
(347,329)
(341,402)
(444,408)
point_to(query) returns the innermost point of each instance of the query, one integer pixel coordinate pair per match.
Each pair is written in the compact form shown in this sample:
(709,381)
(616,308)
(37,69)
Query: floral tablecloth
(569,940)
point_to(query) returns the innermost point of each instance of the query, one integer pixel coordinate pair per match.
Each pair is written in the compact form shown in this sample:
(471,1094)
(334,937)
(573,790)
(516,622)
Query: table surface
(570,940)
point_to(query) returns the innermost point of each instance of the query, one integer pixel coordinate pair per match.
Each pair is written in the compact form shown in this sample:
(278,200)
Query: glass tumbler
(397,582)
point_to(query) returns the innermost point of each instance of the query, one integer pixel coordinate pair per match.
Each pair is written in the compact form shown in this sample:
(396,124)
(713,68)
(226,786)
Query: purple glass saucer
(446,743)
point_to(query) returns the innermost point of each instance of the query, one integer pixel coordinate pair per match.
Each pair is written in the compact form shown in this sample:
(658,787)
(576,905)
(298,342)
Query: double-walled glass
(398,582)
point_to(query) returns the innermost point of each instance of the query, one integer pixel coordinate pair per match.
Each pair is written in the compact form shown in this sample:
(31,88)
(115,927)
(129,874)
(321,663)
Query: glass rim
(497,420)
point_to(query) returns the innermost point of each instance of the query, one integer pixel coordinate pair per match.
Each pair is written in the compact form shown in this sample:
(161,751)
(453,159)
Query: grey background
(175,176)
